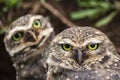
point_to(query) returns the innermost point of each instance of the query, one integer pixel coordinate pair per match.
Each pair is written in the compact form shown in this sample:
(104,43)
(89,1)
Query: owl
(82,53)
(26,41)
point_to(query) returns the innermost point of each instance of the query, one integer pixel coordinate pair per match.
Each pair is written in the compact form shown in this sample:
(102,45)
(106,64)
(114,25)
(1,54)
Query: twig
(58,14)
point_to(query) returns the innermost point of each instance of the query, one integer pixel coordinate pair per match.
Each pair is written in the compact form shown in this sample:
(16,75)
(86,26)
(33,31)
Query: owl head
(80,47)
(26,33)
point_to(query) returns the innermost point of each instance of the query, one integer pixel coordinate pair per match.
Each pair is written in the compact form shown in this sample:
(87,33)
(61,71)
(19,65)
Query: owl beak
(78,56)
(30,36)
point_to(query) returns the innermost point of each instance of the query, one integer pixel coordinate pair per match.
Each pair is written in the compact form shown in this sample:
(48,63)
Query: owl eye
(66,47)
(93,46)
(36,24)
(17,36)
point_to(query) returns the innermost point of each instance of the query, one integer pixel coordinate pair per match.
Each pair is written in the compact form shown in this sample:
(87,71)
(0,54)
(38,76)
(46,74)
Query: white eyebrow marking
(68,41)
(92,40)
(65,41)
(17,28)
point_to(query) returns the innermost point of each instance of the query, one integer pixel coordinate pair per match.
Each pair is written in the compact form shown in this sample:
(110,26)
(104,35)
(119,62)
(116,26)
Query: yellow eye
(66,47)
(93,46)
(36,24)
(17,36)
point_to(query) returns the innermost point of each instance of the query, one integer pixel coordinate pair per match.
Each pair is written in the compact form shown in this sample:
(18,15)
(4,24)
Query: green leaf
(105,5)
(106,19)
(85,13)
(87,3)
(5,9)
(94,4)
(11,3)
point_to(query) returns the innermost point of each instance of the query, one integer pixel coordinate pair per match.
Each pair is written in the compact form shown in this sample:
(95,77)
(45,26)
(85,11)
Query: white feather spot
(96,71)
(68,79)
(17,77)
(76,77)
(111,74)
(24,73)
(22,66)
(115,65)
(107,77)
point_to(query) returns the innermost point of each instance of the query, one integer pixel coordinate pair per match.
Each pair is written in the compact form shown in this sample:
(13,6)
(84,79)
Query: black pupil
(67,45)
(17,35)
(92,45)
(36,23)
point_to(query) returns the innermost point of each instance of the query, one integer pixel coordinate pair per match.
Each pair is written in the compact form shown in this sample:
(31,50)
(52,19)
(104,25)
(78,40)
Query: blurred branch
(57,14)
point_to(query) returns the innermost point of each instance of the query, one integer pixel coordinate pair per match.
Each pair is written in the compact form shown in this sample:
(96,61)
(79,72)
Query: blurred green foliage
(57,0)
(6,6)
(9,4)
(3,30)
(93,9)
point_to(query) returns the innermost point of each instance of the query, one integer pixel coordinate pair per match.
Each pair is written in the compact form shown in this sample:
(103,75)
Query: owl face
(29,31)
(78,47)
